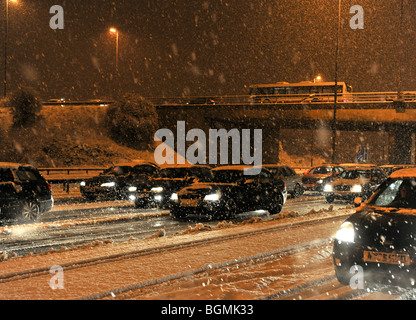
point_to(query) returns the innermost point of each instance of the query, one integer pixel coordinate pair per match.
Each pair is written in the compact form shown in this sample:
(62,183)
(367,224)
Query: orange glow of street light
(115,31)
(318,78)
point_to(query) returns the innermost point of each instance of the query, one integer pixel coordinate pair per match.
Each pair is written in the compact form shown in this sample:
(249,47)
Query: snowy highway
(146,254)
(76,222)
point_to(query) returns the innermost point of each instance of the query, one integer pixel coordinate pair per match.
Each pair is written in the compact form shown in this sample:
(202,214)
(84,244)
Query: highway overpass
(363,112)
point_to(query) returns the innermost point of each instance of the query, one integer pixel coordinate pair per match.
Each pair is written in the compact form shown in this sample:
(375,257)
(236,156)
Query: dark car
(118,182)
(381,236)
(316,177)
(293,180)
(358,181)
(24,192)
(158,191)
(230,192)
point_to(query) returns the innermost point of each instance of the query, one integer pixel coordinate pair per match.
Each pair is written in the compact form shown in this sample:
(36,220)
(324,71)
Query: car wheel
(139,205)
(343,275)
(177,214)
(276,205)
(298,191)
(30,211)
(330,199)
(90,197)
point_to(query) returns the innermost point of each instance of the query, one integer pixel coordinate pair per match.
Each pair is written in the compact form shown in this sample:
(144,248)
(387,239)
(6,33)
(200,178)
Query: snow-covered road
(100,270)
(286,257)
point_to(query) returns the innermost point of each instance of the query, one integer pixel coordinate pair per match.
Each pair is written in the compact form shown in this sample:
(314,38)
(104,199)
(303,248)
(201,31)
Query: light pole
(6,41)
(334,121)
(115,31)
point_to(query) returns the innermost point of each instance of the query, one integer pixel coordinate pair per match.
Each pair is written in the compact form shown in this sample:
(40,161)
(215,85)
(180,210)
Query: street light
(318,78)
(6,41)
(115,31)
(334,121)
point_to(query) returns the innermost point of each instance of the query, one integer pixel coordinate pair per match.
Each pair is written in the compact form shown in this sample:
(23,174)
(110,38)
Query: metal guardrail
(73,174)
(68,176)
(362,97)
(69,170)
(235,100)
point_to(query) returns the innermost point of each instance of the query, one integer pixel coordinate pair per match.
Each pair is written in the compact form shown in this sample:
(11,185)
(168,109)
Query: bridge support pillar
(402,144)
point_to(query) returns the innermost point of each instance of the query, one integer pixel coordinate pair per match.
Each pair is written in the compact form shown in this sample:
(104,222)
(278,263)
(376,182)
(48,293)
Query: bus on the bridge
(301,92)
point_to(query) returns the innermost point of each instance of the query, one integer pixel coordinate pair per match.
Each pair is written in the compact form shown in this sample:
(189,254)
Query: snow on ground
(127,269)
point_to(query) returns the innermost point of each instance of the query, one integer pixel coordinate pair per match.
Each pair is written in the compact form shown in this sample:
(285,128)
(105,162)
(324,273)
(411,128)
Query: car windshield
(355,174)
(321,170)
(202,174)
(175,173)
(27,174)
(117,171)
(396,193)
(228,176)
(144,170)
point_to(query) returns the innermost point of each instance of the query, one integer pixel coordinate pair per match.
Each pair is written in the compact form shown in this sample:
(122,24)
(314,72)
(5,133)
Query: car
(24,192)
(293,180)
(380,237)
(203,100)
(358,181)
(61,101)
(316,177)
(158,191)
(230,192)
(118,181)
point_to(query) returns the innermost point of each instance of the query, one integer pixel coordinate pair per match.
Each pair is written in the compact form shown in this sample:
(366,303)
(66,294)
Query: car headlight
(156,189)
(345,233)
(82,183)
(174,197)
(320,181)
(212,197)
(357,188)
(328,188)
(108,184)
(132,189)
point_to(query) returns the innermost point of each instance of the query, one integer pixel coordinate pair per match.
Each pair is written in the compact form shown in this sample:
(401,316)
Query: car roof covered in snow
(233,167)
(404,173)
(358,167)
(13,165)
(133,163)
(274,165)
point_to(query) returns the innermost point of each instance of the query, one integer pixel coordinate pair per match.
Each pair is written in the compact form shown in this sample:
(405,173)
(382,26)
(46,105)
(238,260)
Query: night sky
(174,48)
